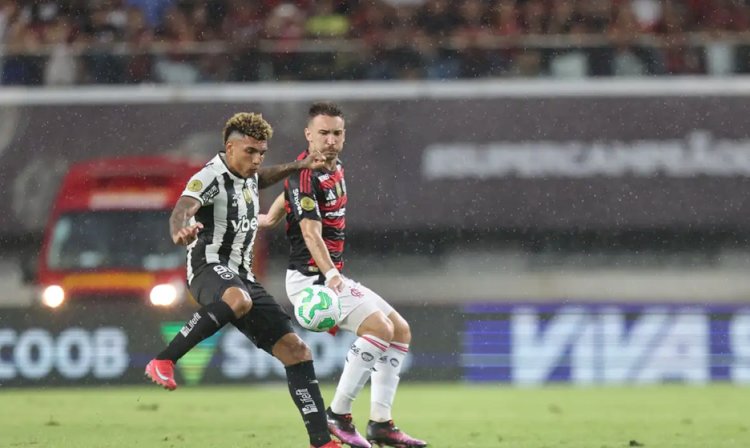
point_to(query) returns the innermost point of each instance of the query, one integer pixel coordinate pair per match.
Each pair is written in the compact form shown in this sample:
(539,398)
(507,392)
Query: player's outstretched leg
(204,323)
(388,434)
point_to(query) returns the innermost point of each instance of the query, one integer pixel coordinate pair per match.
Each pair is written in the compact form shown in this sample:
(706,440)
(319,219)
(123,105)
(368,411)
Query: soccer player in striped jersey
(314,201)
(217,219)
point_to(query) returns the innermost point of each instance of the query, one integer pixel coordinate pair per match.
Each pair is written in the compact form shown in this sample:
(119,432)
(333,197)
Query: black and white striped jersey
(229,214)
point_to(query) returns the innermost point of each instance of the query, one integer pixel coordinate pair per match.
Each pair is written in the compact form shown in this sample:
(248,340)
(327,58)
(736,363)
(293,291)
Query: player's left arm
(272,174)
(274,215)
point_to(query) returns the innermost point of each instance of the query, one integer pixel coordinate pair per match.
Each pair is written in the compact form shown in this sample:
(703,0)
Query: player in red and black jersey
(321,196)
(315,205)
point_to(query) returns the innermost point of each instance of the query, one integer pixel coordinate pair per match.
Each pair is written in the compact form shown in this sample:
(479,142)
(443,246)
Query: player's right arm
(312,232)
(304,208)
(201,190)
(183,233)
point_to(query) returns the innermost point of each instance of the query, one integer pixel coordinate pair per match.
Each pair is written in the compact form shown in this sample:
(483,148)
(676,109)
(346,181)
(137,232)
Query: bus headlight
(164,294)
(53,296)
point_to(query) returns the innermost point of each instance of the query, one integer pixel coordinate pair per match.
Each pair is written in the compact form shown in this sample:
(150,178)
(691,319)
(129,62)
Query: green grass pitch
(447,415)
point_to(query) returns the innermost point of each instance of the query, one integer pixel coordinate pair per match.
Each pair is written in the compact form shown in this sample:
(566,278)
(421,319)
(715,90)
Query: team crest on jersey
(195,185)
(338,189)
(308,204)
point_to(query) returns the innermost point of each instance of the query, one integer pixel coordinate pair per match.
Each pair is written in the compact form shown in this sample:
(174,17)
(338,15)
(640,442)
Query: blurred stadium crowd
(61,42)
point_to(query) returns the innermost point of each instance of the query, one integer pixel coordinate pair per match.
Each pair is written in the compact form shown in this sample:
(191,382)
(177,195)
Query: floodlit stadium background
(551,192)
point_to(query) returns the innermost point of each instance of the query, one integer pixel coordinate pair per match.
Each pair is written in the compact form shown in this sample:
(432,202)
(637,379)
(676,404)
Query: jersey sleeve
(203,186)
(300,189)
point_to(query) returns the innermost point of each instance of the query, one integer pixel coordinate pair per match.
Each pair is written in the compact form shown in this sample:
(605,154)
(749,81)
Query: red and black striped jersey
(318,195)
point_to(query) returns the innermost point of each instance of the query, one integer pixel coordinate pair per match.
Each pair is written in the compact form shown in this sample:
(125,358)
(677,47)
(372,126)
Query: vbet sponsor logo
(244,224)
(598,344)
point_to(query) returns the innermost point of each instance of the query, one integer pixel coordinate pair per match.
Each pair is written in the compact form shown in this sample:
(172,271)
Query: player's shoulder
(213,168)
(204,178)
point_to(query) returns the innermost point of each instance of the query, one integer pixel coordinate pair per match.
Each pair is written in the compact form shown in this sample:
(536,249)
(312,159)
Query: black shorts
(266,322)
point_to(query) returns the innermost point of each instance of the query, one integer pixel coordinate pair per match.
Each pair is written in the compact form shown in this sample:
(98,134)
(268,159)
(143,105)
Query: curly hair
(249,124)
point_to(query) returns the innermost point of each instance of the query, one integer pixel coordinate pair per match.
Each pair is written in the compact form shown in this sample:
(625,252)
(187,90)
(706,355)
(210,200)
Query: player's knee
(291,349)
(377,325)
(300,351)
(401,329)
(239,300)
(388,331)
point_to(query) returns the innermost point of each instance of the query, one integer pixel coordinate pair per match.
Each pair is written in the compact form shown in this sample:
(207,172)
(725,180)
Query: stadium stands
(68,42)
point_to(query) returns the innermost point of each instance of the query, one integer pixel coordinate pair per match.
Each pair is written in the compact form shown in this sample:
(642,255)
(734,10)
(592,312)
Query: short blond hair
(249,124)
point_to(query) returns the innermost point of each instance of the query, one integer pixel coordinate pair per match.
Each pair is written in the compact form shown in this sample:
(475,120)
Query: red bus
(107,237)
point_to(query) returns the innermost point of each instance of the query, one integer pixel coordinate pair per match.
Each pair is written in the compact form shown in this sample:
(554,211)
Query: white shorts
(357,300)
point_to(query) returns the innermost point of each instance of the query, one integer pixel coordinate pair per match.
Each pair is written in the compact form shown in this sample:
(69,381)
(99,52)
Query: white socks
(362,356)
(384,381)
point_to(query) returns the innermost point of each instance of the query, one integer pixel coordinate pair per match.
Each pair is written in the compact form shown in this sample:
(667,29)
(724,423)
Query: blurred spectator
(22,64)
(679,58)
(563,18)
(625,29)
(8,13)
(153,9)
(242,29)
(469,37)
(178,32)
(409,51)
(439,21)
(534,17)
(61,67)
(504,23)
(648,13)
(325,21)
(105,28)
(504,19)
(726,15)
(244,25)
(437,18)
(286,24)
(596,15)
(139,37)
